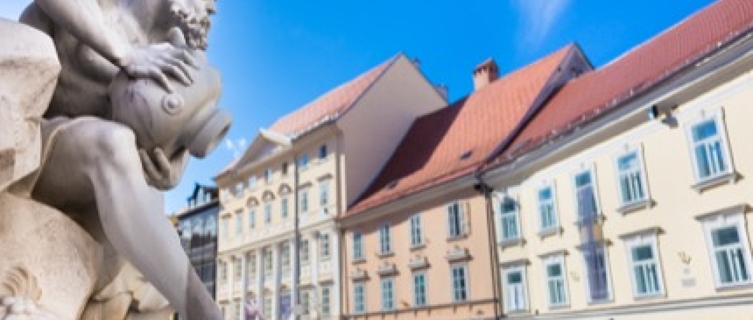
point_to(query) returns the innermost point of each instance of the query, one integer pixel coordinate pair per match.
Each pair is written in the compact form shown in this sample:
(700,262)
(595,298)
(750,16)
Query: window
(456,224)
(727,241)
(284,207)
(284,168)
(236,307)
(303,199)
(304,251)
(388,294)
(326,303)
(303,162)
(237,270)
(225,227)
(508,220)
(252,218)
(323,152)
(416,234)
(709,148)
(554,268)
(419,289)
(585,194)
(324,193)
(644,265)
(594,257)
(238,223)
(285,258)
(547,212)
(359,298)
(252,182)
(459,283)
(515,290)
(305,301)
(268,175)
(267,212)
(324,242)
(223,271)
(267,307)
(267,262)
(385,241)
(251,266)
(357,246)
(632,186)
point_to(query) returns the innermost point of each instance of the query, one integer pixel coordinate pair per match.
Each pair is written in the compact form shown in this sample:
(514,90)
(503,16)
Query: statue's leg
(103,154)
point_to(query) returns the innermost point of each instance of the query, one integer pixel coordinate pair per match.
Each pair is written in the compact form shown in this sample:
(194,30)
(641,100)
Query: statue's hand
(160,60)
(161,172)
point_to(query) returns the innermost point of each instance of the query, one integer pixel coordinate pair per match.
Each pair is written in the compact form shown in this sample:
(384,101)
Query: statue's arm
(84,20)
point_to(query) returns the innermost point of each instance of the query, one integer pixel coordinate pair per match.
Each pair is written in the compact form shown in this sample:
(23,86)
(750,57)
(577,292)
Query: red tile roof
(585,98)
(331,104)
(432,151)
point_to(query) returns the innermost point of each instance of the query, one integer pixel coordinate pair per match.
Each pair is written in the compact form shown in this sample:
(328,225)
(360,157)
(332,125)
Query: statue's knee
(108,142)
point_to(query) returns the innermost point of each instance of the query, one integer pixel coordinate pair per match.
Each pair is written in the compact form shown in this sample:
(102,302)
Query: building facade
(417,242)
(197,228)
(292,183)
(626,196)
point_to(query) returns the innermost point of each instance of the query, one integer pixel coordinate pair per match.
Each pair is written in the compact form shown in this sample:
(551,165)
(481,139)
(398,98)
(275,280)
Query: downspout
(296,239)
(342,301)
(483,188)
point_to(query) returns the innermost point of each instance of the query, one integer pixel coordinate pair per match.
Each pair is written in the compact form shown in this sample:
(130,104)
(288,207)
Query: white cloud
(237,146)
(11,9)
(537,19)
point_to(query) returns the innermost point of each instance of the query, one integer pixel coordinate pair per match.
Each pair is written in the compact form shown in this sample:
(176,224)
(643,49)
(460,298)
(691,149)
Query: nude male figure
(93,170)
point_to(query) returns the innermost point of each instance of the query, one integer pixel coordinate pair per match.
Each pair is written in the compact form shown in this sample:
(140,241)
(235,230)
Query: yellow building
(628,195)
(310,164)
(416,242)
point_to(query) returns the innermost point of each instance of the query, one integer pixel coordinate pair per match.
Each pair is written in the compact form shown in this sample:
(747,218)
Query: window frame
(717,116)
(252,217)
(649,239)
(325,250)
(547,261)
(723,220)
(623,205)
(591,170)
(420,297)
(359,291)
(387,301)
(502,238)
(357,252)
(555,226)
(238,223)
(455,290)
(326,303)
(506,287)
(461,229)
(416,231)
(599,247)
(267,212)
(385,239)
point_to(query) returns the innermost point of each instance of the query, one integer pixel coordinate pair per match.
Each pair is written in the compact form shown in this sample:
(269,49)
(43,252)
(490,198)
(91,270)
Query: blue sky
(275,56)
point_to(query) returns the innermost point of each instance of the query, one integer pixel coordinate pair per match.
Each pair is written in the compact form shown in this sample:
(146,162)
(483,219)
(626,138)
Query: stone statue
(134,98)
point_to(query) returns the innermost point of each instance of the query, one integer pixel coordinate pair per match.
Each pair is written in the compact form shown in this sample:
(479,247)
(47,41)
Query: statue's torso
(83,84)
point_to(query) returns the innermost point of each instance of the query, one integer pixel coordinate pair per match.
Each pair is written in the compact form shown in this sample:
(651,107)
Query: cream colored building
(417,242)
(629,195)
(311,164)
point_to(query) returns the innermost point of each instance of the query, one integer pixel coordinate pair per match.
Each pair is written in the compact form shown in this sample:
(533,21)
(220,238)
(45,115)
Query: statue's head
(185,119)
(192,17)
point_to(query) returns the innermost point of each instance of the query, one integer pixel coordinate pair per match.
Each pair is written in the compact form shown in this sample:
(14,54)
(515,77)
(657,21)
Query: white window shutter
(465,213)
(448,208)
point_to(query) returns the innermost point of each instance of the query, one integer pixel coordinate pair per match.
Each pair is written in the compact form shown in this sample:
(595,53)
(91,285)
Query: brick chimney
(485,73)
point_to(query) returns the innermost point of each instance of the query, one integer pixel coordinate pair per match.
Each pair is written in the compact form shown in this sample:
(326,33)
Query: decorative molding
(418,262)
(726,178)
(457,254)
(359,275)
(386,269)
(734,209)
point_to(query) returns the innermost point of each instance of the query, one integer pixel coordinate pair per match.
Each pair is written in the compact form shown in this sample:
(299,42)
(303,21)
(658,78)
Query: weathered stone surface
(47,259)
(29,67)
